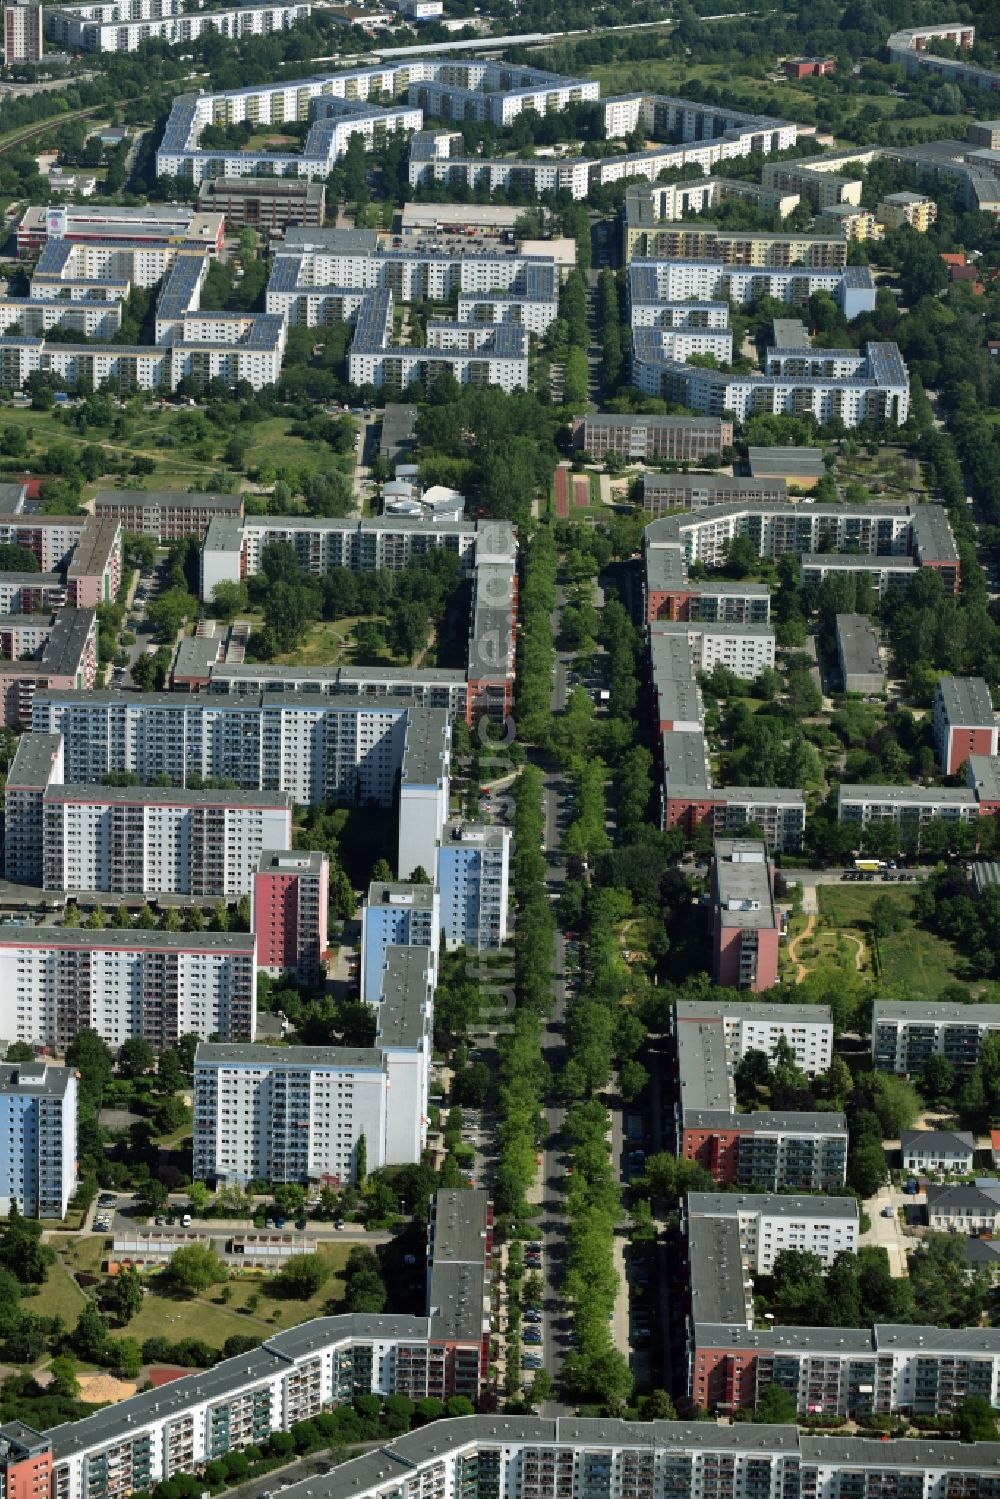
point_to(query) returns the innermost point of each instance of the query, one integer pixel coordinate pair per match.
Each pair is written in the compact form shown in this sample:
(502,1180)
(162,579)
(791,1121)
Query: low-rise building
(269,203)
(963,1208)
(964,721)
(906,1034)
(169,515)
(681,439)
(858,655)
(940,1150)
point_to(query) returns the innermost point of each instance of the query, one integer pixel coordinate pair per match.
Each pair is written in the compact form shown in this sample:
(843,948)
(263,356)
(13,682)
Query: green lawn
(205,1316)
(915,962)
(269,441)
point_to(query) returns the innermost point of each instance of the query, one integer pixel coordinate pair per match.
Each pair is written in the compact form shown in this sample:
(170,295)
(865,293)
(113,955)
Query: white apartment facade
(300,1113)
(772,1222)
(57,981)
(397,913)
(150,840)
(473,875)
(746,650)
(124,28)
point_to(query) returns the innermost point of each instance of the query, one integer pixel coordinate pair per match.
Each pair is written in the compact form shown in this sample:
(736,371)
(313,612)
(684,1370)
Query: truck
(869,866)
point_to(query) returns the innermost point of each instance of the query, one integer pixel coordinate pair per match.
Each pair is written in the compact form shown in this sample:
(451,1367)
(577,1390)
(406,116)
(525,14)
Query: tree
(776,1407)
(135,1056)
(124,1296)
(886,916)
(152,1196)
(90,1336)
(937,1081)
(866,1168)
(361,1160)
(126,1357)
(975,1419)
(194,1268)
(22,1252)
(64,1380)
(302,1276)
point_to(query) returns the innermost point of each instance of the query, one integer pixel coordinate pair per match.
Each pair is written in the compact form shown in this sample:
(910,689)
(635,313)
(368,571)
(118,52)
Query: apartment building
(396,913)
(906,1036)
(37,761)
(964,721)
(909,808)
(57,981)
(62,656)
(31,593)
(657,281)
(769,1223)
(96,237)
(473,877)
(765,1151)
(169,515)
(744,649)
(284,1114)
(317,749)
(154,840)
(858,655)
(94,573)
(289,910)
(914,209)
(124,28)
(820,188)
(746,928)
(845,385)
(38,1138)
(23,34)
(460,1242)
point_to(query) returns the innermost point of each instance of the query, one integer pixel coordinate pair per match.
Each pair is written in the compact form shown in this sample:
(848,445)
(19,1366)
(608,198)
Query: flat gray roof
(786,462)
(743,894)
(858,645)
(165,796)
(178,499)
(291,860)
(967,701)
(228,1054)
(771,1204)
(401,895)
(925,1011)
(715,1267)
(32,762)
(35,1079)
(792,1014)
(130,937)
(767,1122)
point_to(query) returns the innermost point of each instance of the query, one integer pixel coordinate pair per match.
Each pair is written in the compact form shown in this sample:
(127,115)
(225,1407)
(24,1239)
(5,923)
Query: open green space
(205,1316)
(157,435)
(915,963)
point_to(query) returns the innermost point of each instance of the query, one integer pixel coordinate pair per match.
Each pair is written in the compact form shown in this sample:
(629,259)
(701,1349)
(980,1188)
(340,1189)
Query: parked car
(532,1335)
(532,1314)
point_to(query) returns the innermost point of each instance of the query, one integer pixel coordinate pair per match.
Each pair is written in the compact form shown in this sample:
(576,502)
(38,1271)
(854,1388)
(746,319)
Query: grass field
(665,75)
(916,962)
(270,441)
(204,1316)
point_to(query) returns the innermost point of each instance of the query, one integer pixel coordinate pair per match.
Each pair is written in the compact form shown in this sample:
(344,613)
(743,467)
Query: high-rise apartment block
(291,893)
(22,33)
(396,914)
(473,873)
(38,1138)
(299,1113)
(57,981)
